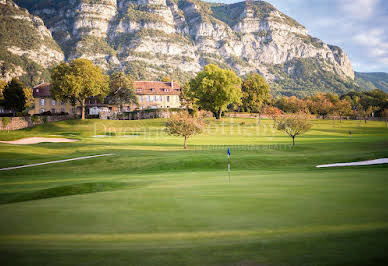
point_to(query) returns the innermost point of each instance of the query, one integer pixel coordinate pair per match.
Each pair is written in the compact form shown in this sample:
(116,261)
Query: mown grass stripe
(305,230)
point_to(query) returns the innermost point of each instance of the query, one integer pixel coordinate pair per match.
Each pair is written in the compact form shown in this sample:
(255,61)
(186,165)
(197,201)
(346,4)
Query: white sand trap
(371,162)
(36,140)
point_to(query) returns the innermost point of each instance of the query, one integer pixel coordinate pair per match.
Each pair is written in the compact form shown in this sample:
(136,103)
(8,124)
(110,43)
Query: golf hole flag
(228,152)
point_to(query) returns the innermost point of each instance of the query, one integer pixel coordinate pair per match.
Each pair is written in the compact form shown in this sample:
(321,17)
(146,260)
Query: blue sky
(360,27)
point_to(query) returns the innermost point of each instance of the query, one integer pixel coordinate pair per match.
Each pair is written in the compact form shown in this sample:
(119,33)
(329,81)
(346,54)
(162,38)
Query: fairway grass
(153,203)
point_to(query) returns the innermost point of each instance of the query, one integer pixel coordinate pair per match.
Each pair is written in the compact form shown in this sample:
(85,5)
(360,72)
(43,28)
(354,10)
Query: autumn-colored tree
(215,88)
(292,104)
(366,113)
(184,125)
(77,81)
(122,90)
(342,108)
(294,124)
(273,112)
(321,105)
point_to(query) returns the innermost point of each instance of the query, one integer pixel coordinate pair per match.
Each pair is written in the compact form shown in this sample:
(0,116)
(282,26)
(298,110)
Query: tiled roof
(156,88)
(42,90)
(141,87)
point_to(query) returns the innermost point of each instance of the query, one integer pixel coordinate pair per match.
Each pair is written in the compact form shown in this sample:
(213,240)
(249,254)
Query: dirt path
(36,140)
(371,162)
(59,161)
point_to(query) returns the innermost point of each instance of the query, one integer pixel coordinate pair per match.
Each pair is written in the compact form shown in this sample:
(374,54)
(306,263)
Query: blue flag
(228,152)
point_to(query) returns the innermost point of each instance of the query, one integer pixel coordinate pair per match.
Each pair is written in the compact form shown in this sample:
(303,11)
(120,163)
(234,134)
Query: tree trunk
(386,122)
(340,119)
(293,140)
(365,120)
(185,143)
(83,109)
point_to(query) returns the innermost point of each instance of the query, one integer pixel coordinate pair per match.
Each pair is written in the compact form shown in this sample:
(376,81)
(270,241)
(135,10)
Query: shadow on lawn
(70,190)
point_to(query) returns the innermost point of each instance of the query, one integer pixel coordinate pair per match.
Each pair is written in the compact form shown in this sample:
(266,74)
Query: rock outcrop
(27,48)
(153,38)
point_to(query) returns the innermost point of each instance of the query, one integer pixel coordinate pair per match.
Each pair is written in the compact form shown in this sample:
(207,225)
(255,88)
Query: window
(53,102)
(42,102)
(73,110)
(152,89)
(140,99)
(168,98)
(36,90)
(53,110)
(148,98)
(139,90)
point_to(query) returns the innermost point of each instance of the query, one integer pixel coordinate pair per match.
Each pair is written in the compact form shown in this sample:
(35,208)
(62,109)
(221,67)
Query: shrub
(5,121)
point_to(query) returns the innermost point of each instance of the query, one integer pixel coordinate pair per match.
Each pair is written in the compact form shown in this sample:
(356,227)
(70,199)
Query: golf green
(154,203)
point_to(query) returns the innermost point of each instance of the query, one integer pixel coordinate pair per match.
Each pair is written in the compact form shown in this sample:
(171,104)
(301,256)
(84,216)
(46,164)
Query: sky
(360,27)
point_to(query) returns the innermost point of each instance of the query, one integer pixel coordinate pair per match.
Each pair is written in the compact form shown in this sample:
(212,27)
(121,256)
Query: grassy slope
(158,204)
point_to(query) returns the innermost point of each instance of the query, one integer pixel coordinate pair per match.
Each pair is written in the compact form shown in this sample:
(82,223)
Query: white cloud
(375,44)
(361,9)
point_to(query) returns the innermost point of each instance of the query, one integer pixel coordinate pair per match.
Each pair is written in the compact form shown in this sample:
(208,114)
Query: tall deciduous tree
(215,88)
(342,108)
(255,91)
(121,90)
(184,125)
(294,124)
(15,96)
(78,80)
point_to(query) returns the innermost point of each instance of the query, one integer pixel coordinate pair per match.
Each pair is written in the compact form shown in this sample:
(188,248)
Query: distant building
(157,94)
(150,94)
(44,102)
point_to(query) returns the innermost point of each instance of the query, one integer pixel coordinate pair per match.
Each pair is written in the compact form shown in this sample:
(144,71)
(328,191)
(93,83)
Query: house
(151,95)
(43,102)
(157,94)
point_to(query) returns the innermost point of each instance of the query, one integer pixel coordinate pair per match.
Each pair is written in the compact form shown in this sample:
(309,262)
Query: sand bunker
(36,140)
(371,162)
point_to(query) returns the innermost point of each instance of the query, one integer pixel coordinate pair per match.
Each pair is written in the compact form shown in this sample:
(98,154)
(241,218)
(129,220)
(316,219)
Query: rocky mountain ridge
(153,38)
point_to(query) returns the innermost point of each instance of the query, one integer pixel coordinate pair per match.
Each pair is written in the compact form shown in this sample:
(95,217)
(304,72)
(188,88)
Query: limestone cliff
(152,38)
(27,48)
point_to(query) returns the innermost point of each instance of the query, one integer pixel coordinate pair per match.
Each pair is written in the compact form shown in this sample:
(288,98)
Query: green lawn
(153,203)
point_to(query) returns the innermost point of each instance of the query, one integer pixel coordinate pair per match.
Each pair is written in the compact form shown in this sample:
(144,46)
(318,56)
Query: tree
(255,91)
(2,86)
(121,90)
(185,125)
(14,96)
(385,115)
(215,88)
(321,104)
(342,108)
(272,111)
(77,81)
(294,124)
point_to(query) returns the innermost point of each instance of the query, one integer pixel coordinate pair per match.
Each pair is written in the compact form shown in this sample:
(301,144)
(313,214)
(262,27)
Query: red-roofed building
(157,94)
(151,95)
(43,102)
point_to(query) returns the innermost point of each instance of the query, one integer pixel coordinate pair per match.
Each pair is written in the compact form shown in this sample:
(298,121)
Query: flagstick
(229,167)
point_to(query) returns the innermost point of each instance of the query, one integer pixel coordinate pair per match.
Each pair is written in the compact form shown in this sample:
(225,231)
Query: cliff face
(152,38)
(27,48)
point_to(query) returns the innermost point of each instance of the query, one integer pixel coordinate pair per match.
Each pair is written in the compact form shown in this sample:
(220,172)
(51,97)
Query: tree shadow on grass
(70,190)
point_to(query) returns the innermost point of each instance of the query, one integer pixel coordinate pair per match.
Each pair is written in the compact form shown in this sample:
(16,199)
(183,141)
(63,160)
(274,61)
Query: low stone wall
(140,114)
(16,123)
